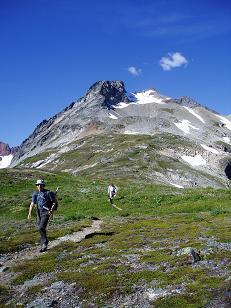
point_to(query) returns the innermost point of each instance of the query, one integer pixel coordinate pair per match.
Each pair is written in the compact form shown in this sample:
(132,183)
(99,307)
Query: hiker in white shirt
(111,192)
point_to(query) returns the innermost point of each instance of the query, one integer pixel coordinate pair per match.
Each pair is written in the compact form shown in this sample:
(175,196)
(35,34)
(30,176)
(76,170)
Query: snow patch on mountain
(225,121)
(112,116)
(127,132)
(185,126)
(148,97)
(36,164)
(212,150)
(226,139)
(176,185)
(5,161)
(145,97)
(122,105)
(43,162)
(48,160)
(194,113)
(194,161)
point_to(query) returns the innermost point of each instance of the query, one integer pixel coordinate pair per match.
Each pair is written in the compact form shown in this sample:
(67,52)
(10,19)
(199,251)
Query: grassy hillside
(141,256)
(140,157)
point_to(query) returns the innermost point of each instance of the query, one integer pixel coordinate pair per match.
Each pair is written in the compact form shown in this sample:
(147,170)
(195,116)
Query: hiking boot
(43,248)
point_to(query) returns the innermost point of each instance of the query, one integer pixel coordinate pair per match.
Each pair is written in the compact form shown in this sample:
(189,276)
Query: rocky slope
(191,136)
(4,149)
(6,154)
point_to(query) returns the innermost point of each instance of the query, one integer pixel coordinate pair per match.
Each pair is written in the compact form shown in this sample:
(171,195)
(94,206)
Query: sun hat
(40,182)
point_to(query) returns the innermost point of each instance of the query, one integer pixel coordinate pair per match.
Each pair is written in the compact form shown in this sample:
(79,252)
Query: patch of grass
(34,290)
(141,277)
(156,257)
(203,288)
(179,301)
(92,282)
(205,283)
(184,274)
(16,242)
(4,294)
(168,110)
(31,268)
(44,263)
(216,212)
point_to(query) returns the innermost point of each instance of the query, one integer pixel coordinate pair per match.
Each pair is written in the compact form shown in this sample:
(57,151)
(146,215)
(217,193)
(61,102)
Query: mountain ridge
(203,143)
(184,100)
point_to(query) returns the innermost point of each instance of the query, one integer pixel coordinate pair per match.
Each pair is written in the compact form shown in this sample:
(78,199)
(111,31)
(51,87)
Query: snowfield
(185,126)
(145,97)
(194,161)
(212,150)
(112,116)
(5,161)
(194,113)
(225,121)
(131,132)
(176,185)
(226,139)
(148,97)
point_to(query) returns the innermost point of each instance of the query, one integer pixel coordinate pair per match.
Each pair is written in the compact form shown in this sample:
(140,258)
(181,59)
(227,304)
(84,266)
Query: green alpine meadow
(115,154)
(141,255)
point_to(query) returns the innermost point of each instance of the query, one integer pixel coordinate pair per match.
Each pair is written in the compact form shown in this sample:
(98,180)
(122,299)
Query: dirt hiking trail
(8,260)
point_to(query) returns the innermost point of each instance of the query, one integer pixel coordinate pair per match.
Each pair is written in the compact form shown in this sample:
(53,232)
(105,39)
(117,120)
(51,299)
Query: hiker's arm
(30,210)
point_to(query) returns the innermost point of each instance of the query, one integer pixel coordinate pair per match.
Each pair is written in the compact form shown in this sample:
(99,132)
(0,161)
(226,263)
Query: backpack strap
(49,200)
(52,199)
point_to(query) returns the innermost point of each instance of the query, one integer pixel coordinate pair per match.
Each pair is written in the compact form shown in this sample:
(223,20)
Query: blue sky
(52,51)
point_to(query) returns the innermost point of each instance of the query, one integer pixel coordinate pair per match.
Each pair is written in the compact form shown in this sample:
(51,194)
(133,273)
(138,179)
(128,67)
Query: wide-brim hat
(40,182)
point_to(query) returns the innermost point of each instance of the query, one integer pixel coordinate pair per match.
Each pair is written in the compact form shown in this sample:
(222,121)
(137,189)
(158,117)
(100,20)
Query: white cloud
(173,60)
(134,70)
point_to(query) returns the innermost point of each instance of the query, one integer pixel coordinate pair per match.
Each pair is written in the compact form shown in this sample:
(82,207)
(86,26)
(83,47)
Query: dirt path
(9,260)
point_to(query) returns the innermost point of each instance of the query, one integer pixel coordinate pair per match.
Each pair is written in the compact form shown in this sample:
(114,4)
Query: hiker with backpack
(111,192)
(46,203)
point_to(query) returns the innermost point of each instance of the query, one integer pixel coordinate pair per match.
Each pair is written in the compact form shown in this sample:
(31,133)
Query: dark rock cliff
(110,92)
(4,149)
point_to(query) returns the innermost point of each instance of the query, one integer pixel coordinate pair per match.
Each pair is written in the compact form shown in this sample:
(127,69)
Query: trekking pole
(51,215)
(57,189)
(118,208)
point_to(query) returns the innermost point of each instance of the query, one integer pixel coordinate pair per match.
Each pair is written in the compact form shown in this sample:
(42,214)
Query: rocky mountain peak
(186,133)
(108,93)
(4,149)
(151,91)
